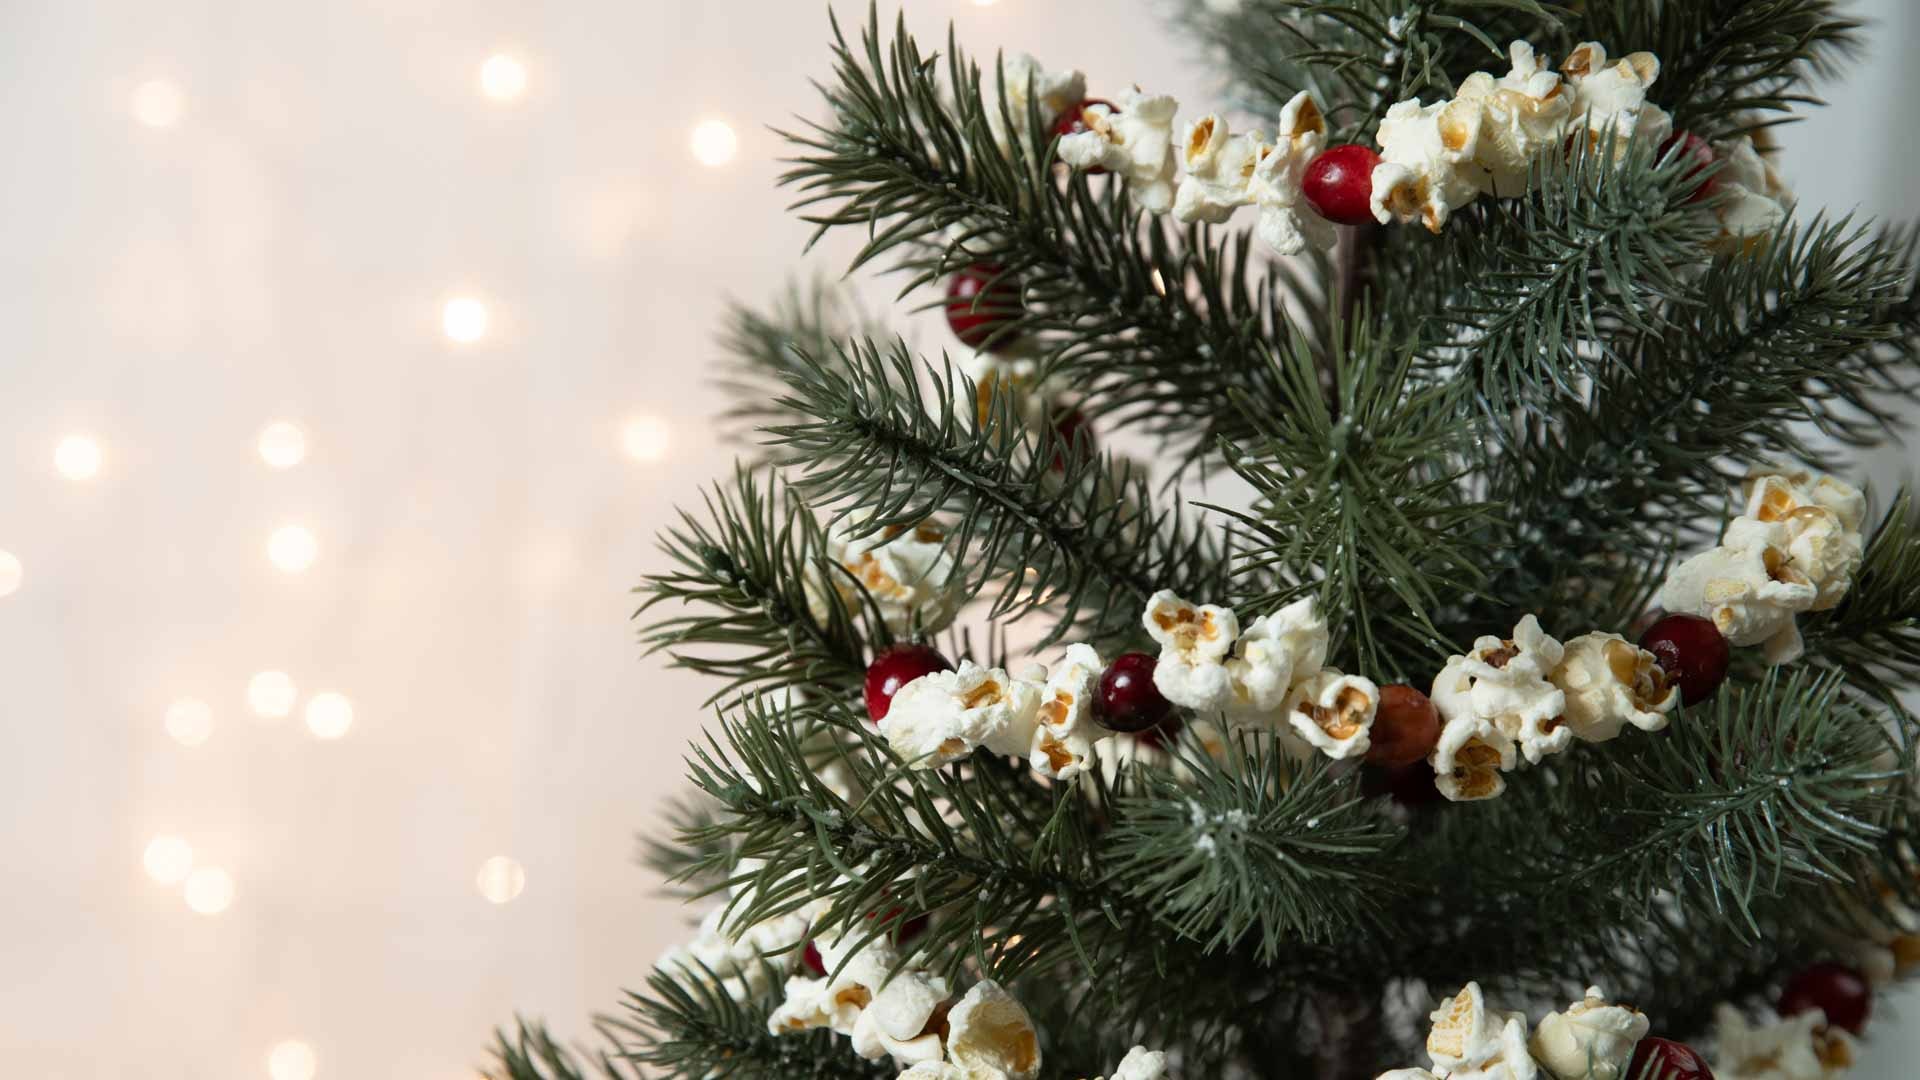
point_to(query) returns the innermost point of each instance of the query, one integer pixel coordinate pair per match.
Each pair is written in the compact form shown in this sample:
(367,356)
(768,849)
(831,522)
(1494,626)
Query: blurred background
(353,354)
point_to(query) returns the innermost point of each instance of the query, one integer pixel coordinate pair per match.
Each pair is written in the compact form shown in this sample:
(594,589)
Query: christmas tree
(1551,658)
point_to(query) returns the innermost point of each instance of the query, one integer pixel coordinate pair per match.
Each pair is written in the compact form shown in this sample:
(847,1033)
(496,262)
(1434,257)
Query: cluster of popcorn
(1273,674)
(908,573)
(1798,1047)
(737,957)
(1794,548)
(1529,696)
(1589,1040)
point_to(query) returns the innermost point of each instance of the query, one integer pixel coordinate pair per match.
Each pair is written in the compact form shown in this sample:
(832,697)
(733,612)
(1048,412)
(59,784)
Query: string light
(464,319)
(282,445)
(503,78)
(292,549)
(157,103)
(209,890)
(270,695)
(78,457)
(645,438)
(190,721)
(714,142)
(329,715)
(10,573)
(168,859)
(501,879)
(292,1060)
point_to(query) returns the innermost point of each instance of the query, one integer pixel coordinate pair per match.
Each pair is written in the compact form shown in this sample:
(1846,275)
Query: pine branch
(531,1054)
(1150,325)
(1051,522)
(1357,499)
(742,581)
(810,320)
(1721,61)
(688,871)
(692,1029)
(1874,635)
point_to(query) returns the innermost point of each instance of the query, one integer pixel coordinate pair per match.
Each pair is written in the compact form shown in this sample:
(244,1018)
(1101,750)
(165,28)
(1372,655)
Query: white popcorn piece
(1274,652)
(1134,141)
(1511,688)
(1773,494)
(1468,1041)
(862,996)
(1419,176)
(1590,1040)
(1194,640)
(1141,1064)
(1471,752)
(1064,738)
(942,717)
(1609,682)
(1027,80)
(1006,372)
(1219,170)
(1789,1048)
(1334,712)
(1751,593)
(1819,519)
(738,956)
(1406,1074)
(907,571)
(990,1030)
(1287,224)
(1611,96)
(1517,116)
(1756,200)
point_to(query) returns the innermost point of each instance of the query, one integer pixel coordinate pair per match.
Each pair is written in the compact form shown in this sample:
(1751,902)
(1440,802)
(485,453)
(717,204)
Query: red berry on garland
(1700,152)
(1406,727)
(1076,439)
(1162,736)
(810,959)
(1693,653)
(1663,1059)
(1074,121)
(1835,989)
(894,668)
(1339,184)
(980,300)
(1126,699)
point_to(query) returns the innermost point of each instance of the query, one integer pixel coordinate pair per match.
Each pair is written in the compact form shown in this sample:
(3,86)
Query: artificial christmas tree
(1301,787)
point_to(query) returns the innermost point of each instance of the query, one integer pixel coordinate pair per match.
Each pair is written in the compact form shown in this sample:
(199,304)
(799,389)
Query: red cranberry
(1700,152)
(1834,989)
(1076,438)
(1126,699)
(1663,1059)
(1692,652)
(1406,727)
(1338,184)
(894,668)
(981,299)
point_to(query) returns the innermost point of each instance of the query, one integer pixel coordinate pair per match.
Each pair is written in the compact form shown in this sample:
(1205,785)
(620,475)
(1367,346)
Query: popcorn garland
(1433,159)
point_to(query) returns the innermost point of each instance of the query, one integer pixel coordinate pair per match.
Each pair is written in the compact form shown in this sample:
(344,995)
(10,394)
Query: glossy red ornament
(1693,653)
(894,668)
(1406,727)
(1338,184)
(981,299)
(1074,121)
(1835,989)
(1663,1059)
(1126,699)
(1700,152)
(1076,438)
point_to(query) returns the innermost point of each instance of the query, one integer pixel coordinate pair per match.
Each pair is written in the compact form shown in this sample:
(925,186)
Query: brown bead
(1405,728)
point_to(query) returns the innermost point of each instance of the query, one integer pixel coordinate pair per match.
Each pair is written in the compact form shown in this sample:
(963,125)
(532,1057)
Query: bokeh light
(209,890)
(646,438)
(168,859)
(501,879)
(292,1060)
(157,103)
(329,715)
(189,721)
(11,573)
(502,78)
(292,548)
(283,445)
(271,694)
(464,319)
(714,142)
(78,457)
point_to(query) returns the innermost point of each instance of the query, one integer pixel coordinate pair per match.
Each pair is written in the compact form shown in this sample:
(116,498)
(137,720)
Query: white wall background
(280,249)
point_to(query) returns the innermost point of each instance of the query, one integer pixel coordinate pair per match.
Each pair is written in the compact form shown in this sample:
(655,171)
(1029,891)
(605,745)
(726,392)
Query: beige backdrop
(217,215)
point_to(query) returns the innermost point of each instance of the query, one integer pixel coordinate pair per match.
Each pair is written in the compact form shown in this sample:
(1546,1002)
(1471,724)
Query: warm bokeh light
(329,715)
(168,859)
(10,573)
(292,548)
(209,890)
(157,103)
(282,445)
(464,319)
(271,694)
(189,721)
(501,879)
(714,142)
(503,78)
(78,457)
(292,1060)
(646,438)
